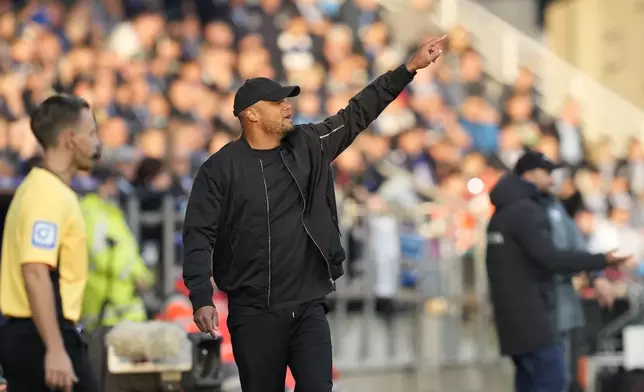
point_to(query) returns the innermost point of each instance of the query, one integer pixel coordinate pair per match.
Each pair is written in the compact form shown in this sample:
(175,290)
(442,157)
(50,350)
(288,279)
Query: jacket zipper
(268,220)
(328,266)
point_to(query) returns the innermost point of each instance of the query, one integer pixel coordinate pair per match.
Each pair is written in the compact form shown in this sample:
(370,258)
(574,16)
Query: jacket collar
(287,142)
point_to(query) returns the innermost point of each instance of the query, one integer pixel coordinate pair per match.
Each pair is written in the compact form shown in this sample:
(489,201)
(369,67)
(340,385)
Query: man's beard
(83,164)
(279,129)
(286,129)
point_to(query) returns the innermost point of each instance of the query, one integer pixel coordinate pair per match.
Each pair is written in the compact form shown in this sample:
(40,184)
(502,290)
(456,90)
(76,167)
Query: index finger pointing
(435,41)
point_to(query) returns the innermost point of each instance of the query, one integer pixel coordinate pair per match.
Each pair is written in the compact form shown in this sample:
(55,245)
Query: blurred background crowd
(161,76)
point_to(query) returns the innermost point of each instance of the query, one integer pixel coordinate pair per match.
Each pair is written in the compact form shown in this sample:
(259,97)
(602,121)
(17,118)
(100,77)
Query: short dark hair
(56,113)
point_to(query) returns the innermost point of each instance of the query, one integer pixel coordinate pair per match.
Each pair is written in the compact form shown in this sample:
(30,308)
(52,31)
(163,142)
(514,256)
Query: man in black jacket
(522,261)
(262,220)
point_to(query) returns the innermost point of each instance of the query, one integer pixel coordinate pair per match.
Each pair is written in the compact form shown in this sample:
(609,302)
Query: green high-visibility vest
(114,272)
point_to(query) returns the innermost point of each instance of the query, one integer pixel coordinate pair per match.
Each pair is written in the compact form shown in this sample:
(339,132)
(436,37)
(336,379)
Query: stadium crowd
(161,83)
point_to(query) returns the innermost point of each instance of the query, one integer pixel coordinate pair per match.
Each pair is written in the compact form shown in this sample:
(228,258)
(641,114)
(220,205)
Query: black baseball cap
(261,89)
(532,160)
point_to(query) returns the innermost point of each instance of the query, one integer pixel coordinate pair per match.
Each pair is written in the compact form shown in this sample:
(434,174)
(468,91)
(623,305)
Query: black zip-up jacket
(522,261)
(226,229)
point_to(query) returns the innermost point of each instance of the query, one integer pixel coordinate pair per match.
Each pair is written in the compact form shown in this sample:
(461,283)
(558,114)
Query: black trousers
(298,337)
(22,355)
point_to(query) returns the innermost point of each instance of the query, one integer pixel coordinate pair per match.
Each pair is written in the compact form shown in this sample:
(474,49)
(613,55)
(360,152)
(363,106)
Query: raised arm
(340,130)
(200,228)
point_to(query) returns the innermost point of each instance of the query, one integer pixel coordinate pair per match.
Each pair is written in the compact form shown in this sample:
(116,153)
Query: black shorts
(22,356)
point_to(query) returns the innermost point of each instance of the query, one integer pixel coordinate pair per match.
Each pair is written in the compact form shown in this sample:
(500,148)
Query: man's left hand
(426,54)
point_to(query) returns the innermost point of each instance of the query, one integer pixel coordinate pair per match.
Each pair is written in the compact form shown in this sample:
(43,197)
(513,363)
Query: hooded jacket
(522,261)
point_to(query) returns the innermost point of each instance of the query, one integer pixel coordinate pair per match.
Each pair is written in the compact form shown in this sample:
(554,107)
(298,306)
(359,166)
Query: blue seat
(412,246)
(409,279)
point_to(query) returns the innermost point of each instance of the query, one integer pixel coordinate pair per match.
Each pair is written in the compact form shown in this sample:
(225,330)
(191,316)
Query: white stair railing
(505,49)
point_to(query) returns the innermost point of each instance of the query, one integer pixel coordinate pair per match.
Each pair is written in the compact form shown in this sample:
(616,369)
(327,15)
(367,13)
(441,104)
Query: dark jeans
(570,359)
(23,358)
(576,348)
(265,344)
(541,370)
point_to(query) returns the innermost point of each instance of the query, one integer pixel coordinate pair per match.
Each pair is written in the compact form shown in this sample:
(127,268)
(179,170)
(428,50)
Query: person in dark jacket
(569,314)
(522,262)
(262,220)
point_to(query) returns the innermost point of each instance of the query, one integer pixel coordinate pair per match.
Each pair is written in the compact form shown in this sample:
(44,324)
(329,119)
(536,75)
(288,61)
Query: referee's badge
(44,235)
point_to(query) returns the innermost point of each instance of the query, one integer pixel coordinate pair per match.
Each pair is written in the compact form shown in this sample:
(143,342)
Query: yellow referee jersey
(44,225)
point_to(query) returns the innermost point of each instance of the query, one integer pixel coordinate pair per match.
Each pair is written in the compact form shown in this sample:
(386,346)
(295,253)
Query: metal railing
(506,49)
(431,330)
(424,242)
(168,219)
(426,332)
(610,337)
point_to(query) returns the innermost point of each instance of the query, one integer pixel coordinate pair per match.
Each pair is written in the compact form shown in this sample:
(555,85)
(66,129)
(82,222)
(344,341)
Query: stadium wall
(602,38)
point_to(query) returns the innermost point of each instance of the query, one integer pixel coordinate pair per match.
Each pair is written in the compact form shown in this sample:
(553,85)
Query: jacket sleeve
(96,229)
(337,132)
(200,228)
(527,229)
(580,242)
(140,272)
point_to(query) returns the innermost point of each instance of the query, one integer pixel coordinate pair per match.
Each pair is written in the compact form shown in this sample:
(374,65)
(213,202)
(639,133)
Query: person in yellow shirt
(44,257)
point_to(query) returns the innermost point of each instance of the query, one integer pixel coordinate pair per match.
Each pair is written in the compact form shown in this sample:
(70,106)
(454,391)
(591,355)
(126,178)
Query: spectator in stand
(518,114)
(510,147)
(524,84)
(589,182)
(629,239)
(481,122)
(633,166)
(567,129)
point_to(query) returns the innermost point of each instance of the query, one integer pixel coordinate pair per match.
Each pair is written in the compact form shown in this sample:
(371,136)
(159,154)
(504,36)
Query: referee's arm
(200,227)
(40,241)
